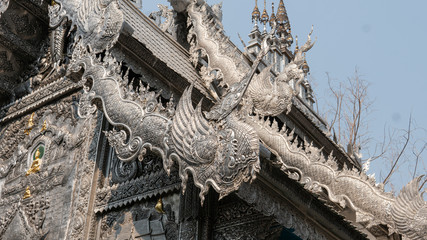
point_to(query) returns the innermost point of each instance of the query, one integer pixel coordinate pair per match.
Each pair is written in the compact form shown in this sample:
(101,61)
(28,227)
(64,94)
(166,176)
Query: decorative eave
(141,188)
(279,195)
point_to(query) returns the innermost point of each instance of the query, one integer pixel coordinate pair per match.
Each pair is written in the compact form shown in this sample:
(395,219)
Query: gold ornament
(35,166)
(27,193)
(159,206)
(44,127)
(30,125)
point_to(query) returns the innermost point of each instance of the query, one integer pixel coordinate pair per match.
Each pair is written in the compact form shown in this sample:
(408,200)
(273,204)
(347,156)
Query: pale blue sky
(383,38)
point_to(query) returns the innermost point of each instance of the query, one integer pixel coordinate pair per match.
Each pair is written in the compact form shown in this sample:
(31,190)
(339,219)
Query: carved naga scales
(218,153)
(220,148)
(349,188)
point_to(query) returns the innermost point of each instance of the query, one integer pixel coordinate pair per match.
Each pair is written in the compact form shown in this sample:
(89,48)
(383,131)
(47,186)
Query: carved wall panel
(12,133)
(128,204)
(22,35)
(41,177)
(283,214)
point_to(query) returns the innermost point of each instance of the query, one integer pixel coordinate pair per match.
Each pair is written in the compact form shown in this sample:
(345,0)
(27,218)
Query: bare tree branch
(347,116)
(384,147)
(401,152)
(338,96)
(422,184)
(417,157)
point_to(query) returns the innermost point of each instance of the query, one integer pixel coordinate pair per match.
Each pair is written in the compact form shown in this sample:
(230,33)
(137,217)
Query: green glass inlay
(41,149)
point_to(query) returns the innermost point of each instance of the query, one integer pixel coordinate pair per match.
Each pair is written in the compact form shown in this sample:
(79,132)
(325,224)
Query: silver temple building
(118,125)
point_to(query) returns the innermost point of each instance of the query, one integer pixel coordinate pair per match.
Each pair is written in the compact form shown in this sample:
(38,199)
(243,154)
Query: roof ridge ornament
(305,68)
(98,24)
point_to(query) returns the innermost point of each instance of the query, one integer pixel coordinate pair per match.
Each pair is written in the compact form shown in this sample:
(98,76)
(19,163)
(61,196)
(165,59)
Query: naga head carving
(218,153)
(291,72)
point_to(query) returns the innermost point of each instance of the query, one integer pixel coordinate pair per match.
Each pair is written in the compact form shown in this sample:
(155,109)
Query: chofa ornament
(227,64)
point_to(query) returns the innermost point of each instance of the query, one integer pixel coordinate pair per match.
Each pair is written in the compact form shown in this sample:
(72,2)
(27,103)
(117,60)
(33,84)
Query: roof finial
(273,16)
(255,13)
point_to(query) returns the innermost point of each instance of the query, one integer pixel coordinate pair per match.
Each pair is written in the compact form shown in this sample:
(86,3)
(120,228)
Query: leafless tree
(349,111)
(347,114)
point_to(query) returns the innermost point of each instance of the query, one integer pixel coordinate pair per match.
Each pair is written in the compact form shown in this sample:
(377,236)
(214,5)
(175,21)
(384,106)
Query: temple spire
(255,35)
(282,18)
(273,16)
(283,25)
(255,13)
(264,18)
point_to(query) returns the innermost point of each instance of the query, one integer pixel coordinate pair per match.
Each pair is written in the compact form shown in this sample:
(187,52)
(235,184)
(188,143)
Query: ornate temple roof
(118,126)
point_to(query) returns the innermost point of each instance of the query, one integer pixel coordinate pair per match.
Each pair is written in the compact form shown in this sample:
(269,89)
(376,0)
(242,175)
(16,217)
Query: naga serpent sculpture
(406,214)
